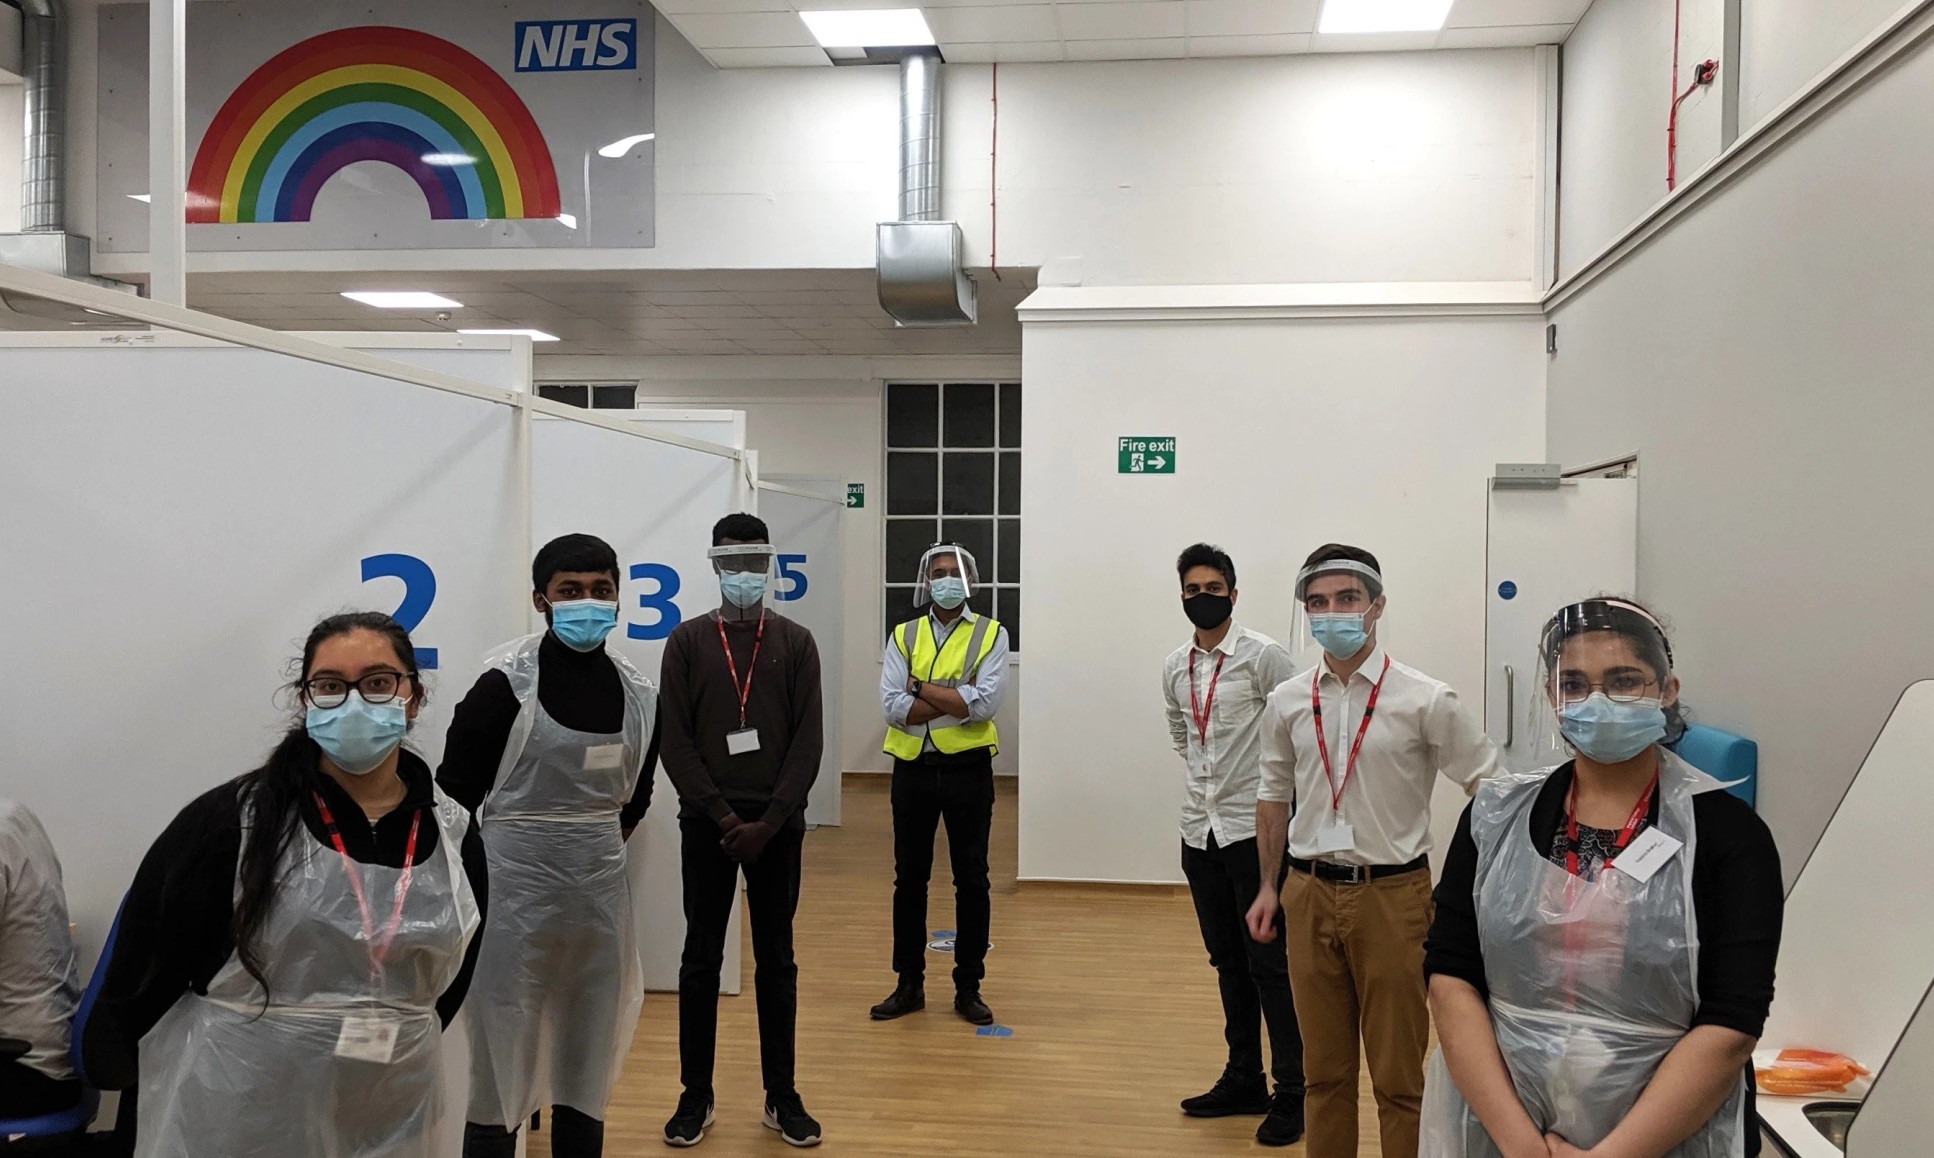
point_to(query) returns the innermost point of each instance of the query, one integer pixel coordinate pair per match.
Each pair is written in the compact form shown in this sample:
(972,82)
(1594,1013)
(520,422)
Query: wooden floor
(1107,989)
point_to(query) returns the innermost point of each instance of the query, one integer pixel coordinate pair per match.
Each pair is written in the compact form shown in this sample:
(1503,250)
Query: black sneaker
(971,1007)
(1284,1125)
(690,1121)
(1231,1095)
(907,998)
(787,1114)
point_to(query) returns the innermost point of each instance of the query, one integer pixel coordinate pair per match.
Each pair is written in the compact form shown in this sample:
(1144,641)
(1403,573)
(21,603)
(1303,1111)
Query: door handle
(1510,704)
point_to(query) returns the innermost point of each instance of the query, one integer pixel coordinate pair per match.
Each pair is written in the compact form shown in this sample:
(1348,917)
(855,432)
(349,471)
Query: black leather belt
(1356,874)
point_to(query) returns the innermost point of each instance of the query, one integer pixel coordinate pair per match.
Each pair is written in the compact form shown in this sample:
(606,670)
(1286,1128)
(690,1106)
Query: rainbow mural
(373,93)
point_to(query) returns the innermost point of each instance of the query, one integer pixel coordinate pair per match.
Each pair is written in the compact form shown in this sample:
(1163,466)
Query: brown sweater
(699,707)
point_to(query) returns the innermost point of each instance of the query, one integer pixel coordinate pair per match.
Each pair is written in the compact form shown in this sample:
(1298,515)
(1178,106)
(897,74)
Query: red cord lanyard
(378,950)
(731,665)
(1322,741)
(1639,812)
(1202,711)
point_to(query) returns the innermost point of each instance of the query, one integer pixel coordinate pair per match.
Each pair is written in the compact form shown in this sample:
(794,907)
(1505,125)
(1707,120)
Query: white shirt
(1419,731)
(983,696)
(1221,776)
(39,983)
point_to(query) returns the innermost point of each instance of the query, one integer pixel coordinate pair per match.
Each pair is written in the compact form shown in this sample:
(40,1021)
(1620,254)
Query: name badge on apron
(1647,854)
(365,1038)
(604,757)
(1332,835)
(742,741)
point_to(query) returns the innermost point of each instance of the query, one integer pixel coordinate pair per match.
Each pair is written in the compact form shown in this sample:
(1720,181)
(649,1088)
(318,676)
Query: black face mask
(1207,611)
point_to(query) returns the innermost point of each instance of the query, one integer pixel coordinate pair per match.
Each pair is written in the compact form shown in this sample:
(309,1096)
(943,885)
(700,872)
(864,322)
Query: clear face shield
(1606,689)
(948,577)
(744,570)
(1338,604)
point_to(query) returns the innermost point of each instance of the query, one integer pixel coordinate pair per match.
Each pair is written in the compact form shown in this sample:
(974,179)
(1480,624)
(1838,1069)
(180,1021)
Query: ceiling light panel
(879,28)
(402,299)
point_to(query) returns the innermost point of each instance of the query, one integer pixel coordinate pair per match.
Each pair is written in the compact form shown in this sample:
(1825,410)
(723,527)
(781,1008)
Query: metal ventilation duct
(44,158)
(922,280)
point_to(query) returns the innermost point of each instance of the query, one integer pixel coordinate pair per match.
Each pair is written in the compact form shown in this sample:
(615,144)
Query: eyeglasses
(377,687)
(1622,688)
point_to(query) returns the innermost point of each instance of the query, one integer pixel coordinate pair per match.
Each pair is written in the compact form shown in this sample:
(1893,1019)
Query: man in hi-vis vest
(943,680)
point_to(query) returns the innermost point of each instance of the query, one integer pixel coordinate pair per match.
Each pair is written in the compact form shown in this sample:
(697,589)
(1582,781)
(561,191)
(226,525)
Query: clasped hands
(744,840)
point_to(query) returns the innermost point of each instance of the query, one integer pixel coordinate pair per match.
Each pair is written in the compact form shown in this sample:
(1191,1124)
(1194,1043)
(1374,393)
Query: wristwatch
(918,687)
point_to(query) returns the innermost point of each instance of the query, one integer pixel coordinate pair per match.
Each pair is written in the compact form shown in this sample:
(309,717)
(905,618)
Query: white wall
(1379,432)
(1617,72)
(11,116)
(1786,43)
(1767,357)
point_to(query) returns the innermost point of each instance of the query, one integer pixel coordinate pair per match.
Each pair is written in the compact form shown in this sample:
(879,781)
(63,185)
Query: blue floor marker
(994,1031)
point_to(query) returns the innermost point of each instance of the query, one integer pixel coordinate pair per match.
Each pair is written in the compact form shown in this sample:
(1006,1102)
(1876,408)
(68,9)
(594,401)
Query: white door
(1547,548)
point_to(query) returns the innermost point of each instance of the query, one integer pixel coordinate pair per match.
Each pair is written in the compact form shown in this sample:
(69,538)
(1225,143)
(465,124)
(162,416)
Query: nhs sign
(576,45)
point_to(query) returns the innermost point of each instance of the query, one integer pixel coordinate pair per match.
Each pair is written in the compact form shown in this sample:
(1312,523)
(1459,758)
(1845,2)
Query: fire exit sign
(855,495)
(1145,454)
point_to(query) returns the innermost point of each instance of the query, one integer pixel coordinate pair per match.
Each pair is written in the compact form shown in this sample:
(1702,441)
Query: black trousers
(25,1092)
(959,789)
(1253,977)
(573,1135)
(771,897)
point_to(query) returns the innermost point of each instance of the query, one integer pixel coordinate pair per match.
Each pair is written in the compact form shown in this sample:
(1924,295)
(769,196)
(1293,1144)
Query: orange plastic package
(1798,1072)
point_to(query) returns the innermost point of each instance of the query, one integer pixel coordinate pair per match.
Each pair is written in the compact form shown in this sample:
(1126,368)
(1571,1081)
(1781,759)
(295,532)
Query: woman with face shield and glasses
(1601,962)
(297,938)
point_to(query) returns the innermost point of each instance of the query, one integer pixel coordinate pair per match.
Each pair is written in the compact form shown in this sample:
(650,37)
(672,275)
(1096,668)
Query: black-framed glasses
(1619,687)
(377,687)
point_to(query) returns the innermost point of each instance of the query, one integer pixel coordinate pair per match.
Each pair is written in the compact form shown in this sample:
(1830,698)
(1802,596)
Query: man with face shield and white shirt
(1357,744)
(553,749)
(743,735)
(941,683)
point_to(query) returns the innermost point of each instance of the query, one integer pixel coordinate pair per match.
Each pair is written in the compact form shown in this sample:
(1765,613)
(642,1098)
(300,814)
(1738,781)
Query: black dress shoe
(1231,1095)
(1284,1125)
(971,1007)
(906,999)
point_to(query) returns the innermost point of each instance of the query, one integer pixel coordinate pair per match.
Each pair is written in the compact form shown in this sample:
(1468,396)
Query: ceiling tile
(982,25)
(744,30)
(1172,48)
(1031,52)
(1517,36)
(1201,46)
(1250,17)
(1497,13)
(681,7)
(1373,41)
(768,57)
(1152,19)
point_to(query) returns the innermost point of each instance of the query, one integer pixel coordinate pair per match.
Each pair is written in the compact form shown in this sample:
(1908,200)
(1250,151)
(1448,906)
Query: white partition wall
(804,518)
(655,503)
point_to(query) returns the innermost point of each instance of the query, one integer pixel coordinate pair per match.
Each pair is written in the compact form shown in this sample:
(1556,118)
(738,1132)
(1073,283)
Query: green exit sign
(1147,454)
(855,495)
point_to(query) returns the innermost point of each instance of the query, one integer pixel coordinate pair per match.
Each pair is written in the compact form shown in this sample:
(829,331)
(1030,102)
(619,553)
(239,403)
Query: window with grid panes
(591,395)
(953,474)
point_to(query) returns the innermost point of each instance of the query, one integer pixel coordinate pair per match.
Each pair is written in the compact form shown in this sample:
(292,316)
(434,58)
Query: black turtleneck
(581,690)
(175,922)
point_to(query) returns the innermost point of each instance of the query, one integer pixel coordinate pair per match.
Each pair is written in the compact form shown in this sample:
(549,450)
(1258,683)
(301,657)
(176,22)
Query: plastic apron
(1587,998)
(558,984)
(223,1075)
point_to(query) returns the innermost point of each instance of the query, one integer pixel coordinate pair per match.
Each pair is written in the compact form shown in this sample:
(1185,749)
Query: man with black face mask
(1216,688)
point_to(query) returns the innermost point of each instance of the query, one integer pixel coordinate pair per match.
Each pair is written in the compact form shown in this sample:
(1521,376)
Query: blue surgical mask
(744,588)
(582,624)
(1341,633)
(1610,732)
(357,735)
(949,591)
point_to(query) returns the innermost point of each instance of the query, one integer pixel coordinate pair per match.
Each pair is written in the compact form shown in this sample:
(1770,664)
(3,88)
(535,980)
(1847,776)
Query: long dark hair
(273,793)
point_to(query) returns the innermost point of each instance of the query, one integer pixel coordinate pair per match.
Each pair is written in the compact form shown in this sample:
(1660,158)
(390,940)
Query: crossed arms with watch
(931,701)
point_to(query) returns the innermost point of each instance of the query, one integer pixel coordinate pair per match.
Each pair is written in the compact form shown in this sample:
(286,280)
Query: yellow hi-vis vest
(949,666)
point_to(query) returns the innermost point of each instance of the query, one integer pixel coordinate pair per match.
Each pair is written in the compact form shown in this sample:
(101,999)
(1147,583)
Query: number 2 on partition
(419,592)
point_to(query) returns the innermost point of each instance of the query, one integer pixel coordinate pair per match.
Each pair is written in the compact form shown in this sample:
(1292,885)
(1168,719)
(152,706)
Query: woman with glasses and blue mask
(554,748)
(296,940)
(1601,963)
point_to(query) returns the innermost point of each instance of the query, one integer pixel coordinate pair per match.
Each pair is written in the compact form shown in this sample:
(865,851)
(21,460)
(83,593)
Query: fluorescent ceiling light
(619,148)
(533,335)
(1383,15)
(883,28)
(402,299)
(449,160)
(141,197)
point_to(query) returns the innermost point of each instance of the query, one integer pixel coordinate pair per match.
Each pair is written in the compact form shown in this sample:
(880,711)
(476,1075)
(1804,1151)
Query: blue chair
(1730,759)
(74,1121)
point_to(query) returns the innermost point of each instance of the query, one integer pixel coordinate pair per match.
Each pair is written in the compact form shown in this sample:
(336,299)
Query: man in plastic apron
(558,984)
(1592,982)
(240,1072)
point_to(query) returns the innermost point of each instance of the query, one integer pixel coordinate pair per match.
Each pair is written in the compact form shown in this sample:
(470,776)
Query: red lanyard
(1322,741)
(1639,812)
(732,665)
(378,950)
(1201,712)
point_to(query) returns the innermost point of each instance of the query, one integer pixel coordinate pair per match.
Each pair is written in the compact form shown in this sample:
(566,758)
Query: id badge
(604,757)
(367,1038)
(1334,836)
(1202,767)
(742,741)
(1647,854)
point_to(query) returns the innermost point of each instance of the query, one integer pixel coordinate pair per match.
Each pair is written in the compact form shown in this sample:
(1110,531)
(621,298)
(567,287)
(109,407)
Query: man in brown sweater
(742,735)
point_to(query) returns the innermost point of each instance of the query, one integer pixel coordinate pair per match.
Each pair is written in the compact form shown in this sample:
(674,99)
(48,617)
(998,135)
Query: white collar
(1373,664)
